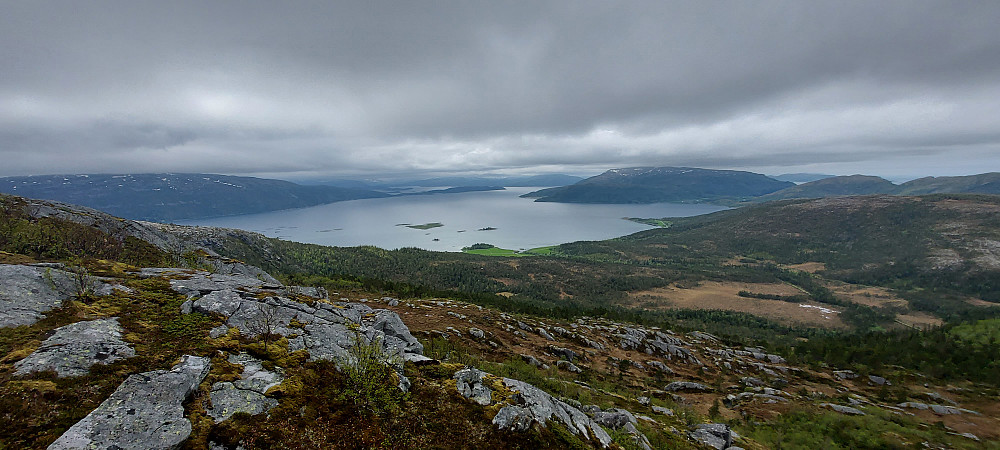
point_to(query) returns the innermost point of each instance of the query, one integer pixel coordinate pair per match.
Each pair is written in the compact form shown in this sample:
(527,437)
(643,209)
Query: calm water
(520,223)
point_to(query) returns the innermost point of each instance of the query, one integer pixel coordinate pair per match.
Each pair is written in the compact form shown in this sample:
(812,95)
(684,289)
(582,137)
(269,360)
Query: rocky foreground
(665,380)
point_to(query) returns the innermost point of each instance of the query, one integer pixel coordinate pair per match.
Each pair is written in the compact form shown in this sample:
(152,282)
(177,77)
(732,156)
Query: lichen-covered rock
(194,283)
(145,412)
(469,383)
(74,348)
(327,331)
(27,292)
(524,405)
(248,394)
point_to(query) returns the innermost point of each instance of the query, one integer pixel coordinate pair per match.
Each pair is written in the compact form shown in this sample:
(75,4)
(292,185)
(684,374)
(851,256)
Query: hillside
(166,196)
(662,184)
(986,183)
(832,187)
(206,353)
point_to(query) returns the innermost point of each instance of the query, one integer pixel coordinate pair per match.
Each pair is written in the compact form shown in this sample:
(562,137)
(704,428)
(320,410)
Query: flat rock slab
(26,292)
(145,412)
(246,394)
(193,283)
(76,347)
(843,409)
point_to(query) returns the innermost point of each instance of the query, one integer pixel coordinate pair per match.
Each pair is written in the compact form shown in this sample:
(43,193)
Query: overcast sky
(298,89)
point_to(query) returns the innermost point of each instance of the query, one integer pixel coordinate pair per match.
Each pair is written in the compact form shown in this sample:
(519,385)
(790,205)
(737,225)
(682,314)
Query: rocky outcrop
(27,292)
(687,386)
(941,410)
(568,366)
(326,330)
(145,412)
(74,348)
(107,223)
(246,395)
(522,405)
(715,435)
(194,283)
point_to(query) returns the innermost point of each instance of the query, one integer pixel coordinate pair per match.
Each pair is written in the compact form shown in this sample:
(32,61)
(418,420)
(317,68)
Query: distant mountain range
(176,196)
(986,183)
(731,187)
(801,177)
(663,184)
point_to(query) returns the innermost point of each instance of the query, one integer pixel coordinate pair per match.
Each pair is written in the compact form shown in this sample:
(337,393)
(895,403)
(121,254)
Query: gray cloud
(393,87)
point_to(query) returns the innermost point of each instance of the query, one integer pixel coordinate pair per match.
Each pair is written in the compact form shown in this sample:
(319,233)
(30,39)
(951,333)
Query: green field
(495,251)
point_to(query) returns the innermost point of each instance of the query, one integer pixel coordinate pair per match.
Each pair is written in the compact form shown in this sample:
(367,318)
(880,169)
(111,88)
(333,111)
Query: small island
(425,226)
(661,223)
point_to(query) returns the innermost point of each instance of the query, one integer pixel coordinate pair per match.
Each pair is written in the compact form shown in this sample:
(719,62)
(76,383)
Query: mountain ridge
(662,184)
(178,196)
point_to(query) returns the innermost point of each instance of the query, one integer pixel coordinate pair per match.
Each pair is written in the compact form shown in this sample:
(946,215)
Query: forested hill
(834,186)
(944,240)
(985,183)
(663,184)
(175,196)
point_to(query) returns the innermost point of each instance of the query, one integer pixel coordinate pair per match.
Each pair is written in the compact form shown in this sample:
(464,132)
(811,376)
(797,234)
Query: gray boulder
(660,367)
(545,334)
(715,435)
(74,348)
(534,361)
(878,381)
(562,353)
(662,410)
(614,418)
(638,439)
(145,412)
(568,366)
(527,405)
(845,374)
(248,394)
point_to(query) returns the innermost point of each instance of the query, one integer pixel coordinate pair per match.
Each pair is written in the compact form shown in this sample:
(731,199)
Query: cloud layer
(321,88)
